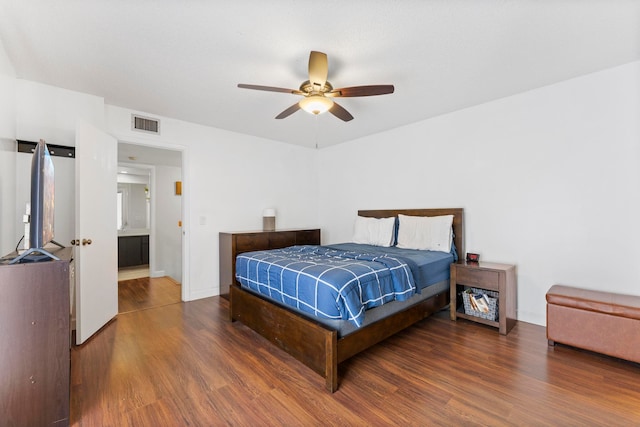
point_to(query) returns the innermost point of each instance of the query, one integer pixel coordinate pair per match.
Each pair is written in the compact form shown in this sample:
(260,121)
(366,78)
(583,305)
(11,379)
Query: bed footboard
(310,342)
(313,343)
(374,333)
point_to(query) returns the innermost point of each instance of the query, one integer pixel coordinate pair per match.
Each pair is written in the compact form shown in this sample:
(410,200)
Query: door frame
(185,198)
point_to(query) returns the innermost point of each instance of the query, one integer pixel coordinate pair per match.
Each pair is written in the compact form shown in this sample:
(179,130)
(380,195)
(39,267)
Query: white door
(96,250)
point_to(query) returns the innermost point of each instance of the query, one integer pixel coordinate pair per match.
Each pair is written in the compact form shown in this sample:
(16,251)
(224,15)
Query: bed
(321,343)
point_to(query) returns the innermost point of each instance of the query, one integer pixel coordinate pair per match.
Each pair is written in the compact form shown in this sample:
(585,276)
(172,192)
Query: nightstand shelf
(500,278)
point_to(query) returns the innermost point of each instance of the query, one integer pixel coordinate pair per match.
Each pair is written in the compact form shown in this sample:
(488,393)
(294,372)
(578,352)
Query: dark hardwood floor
(145,292)
(185,364)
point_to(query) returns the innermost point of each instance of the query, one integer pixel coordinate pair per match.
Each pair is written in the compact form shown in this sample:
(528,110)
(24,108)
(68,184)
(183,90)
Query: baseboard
(204,293)
(159,273)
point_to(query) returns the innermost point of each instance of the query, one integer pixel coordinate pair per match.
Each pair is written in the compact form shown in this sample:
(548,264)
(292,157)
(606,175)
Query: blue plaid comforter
(326,282)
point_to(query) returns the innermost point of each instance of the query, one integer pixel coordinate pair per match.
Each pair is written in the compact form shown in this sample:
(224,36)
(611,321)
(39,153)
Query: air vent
(145,124)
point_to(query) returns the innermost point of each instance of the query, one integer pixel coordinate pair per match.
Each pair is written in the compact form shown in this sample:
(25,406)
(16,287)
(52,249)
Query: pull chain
(317,128)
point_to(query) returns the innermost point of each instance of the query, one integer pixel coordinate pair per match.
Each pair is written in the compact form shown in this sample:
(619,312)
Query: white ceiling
(132,154)
(183,59)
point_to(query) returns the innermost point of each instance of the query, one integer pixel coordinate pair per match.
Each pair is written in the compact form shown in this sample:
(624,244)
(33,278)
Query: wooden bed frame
(318,346)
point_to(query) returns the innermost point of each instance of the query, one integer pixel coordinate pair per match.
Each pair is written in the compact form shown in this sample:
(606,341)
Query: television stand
(30,255)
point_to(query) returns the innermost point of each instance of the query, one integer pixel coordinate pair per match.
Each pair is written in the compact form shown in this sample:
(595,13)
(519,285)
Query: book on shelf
(480,302)
(472,301)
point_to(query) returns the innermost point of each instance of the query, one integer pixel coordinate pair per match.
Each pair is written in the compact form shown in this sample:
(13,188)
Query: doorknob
(75,242)
(86,242)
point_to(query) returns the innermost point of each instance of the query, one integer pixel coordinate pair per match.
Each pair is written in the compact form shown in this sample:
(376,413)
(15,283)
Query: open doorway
(149,227)
(133,221)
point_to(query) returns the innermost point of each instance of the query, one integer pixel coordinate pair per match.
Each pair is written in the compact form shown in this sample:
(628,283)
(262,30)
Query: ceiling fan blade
(270,88)
(361,91)
(289,111)
(339,111)
(318,69)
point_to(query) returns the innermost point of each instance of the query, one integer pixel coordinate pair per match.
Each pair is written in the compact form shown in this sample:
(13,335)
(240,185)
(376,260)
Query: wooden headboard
(458,221)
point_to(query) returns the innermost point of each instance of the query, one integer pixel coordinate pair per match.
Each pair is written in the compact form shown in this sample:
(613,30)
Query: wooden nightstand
(490,276)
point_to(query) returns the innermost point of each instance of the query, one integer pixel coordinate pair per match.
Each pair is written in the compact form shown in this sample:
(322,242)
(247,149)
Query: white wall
(49,113)
(8,221)
(168,233)
(7,152)
(549,180)
(35,111)
(228,179)
(7,100)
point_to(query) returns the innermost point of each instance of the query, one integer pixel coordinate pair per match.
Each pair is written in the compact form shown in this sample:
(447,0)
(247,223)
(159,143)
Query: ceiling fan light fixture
(318,93)
(316,104)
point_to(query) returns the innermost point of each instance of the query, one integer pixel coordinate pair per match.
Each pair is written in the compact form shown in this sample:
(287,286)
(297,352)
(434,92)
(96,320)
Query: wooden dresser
(35,342)
(234,243)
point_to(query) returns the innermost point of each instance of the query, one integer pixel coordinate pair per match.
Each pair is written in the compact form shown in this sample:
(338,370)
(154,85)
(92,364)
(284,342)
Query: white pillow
(374,231)
(432,233)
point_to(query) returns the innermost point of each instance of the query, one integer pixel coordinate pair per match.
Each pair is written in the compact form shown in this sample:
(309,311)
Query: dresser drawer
(480,278)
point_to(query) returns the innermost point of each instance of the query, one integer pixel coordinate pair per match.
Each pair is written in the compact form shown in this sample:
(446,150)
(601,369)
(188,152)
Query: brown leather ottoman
(598,321)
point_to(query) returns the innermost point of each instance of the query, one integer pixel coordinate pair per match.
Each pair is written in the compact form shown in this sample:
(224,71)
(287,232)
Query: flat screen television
(41,222)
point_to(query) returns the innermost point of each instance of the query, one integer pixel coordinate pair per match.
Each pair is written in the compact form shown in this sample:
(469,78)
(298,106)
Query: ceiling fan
(318,92)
